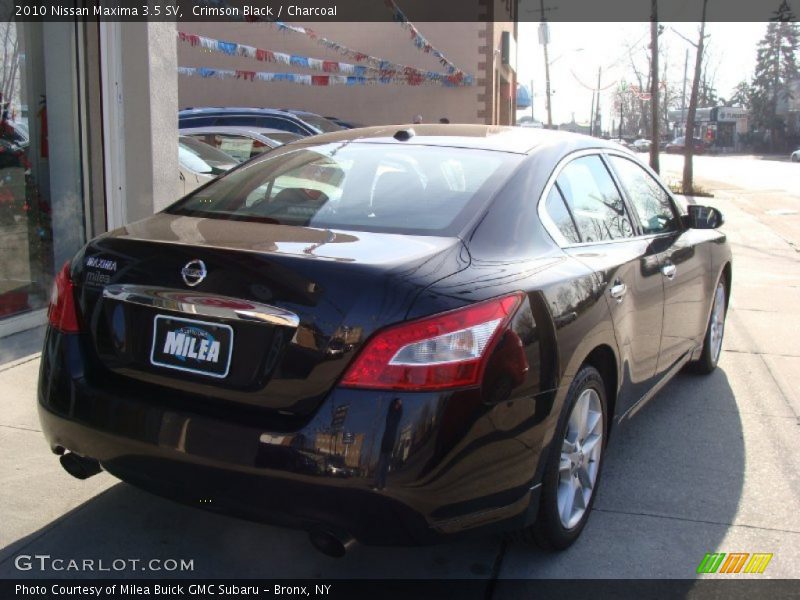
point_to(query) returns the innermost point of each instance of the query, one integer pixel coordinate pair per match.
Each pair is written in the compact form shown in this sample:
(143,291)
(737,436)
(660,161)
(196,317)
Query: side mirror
(703,217)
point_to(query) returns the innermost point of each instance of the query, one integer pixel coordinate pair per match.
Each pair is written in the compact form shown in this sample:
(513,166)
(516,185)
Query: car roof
(518,140)
(240,129)
(299,113)
(208,110)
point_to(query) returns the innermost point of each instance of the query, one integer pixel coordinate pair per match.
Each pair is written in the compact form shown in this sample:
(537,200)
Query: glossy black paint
(279,441)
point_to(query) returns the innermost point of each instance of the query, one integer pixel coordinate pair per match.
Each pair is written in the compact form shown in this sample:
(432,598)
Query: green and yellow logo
(734,562)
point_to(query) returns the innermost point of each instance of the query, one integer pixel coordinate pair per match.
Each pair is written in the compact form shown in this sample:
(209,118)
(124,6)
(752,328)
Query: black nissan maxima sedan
(389,335)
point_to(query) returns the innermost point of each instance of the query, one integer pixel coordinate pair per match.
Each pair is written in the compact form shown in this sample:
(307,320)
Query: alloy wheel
(580,458)
(717,322)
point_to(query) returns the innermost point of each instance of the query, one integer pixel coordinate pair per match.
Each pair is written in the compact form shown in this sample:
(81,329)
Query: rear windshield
(363,187)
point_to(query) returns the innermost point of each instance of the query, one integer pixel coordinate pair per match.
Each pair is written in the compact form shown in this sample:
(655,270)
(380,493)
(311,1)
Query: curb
(20,361)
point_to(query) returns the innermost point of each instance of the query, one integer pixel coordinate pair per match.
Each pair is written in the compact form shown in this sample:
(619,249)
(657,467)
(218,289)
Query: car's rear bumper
(451,469)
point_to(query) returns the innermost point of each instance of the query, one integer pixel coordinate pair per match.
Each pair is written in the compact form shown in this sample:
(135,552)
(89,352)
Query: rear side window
(594,201)
(186,122)
(256,120)
(557,211)
(282,124)
(651,203)
(369,187)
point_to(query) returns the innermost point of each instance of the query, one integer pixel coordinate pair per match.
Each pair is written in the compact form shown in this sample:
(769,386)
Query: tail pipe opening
(331,543)
(79,467)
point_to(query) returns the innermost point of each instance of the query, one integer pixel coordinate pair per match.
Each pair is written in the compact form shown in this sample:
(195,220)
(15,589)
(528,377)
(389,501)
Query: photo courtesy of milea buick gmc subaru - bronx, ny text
(389,335)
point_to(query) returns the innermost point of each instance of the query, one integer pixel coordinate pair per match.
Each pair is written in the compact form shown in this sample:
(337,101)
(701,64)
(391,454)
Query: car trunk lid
(242,312)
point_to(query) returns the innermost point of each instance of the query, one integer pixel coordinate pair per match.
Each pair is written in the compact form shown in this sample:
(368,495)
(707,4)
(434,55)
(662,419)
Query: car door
(594,224)
(683,261)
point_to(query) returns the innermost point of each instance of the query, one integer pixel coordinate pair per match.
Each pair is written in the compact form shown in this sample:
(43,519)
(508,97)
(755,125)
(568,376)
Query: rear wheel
(712,343)
(573,469)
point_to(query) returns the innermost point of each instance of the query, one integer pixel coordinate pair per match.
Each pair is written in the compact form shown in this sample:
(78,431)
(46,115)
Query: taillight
(62,314)
(444,351)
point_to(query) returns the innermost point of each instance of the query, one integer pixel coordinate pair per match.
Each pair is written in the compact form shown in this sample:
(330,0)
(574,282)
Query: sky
(577,49)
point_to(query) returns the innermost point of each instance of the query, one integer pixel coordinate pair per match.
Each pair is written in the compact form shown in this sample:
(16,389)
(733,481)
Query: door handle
(618,291)
(669,271)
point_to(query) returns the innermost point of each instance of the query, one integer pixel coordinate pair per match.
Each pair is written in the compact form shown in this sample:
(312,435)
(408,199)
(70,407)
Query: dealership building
(90,127)
(484,52)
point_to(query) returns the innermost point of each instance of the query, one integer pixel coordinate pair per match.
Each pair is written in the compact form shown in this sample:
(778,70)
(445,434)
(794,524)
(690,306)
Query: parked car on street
(303,124)
(199,163)
(463,311)
(641,145)
(796,155)
(241,143)
(678,145)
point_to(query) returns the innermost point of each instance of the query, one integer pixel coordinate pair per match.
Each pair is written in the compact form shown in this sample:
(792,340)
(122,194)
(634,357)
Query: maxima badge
(194,272)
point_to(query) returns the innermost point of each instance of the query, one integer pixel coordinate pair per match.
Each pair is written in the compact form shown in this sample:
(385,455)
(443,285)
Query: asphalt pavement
(711,464)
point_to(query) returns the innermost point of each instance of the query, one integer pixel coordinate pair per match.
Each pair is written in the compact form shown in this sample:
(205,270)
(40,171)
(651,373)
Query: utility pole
(532,119)
(591,116)
(544,39)
(656,137)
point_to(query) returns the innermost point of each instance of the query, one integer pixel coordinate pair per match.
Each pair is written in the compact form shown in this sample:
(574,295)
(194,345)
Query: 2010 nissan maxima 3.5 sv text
(386,334)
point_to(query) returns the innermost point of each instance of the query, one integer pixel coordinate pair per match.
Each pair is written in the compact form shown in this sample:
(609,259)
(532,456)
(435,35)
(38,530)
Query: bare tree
(9,68)
(640,117)
(688,172)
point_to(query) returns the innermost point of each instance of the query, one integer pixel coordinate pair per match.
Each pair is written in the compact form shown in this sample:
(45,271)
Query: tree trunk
(655,129)
(688,174)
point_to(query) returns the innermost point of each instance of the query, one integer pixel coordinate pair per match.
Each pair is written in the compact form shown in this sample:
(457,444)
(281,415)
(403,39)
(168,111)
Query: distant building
(574,127)
(720,126)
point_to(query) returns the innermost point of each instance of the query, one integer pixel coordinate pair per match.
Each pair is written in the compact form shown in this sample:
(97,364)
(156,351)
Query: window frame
(603,153)
(673,204)
(548,223)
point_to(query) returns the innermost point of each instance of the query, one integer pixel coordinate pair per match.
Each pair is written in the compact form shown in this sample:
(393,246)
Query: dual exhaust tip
(326,541)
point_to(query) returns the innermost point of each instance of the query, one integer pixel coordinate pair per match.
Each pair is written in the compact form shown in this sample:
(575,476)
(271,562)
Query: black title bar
(618,589)
(386,10)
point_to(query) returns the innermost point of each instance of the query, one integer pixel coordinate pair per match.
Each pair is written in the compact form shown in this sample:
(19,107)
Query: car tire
(715,332)
(557,525)
(795,158)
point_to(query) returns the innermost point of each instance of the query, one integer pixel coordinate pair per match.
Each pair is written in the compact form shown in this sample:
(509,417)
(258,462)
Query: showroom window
(41,166)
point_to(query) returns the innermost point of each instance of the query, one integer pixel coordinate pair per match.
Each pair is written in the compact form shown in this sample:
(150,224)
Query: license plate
(193,346)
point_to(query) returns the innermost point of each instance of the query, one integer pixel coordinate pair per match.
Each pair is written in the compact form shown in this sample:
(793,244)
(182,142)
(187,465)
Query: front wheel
(712,343)
(573,468)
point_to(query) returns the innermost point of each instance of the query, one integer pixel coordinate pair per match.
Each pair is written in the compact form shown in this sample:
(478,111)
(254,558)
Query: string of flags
(455,77)
(373,70)
(418,39)
(385,70)
(298,78)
